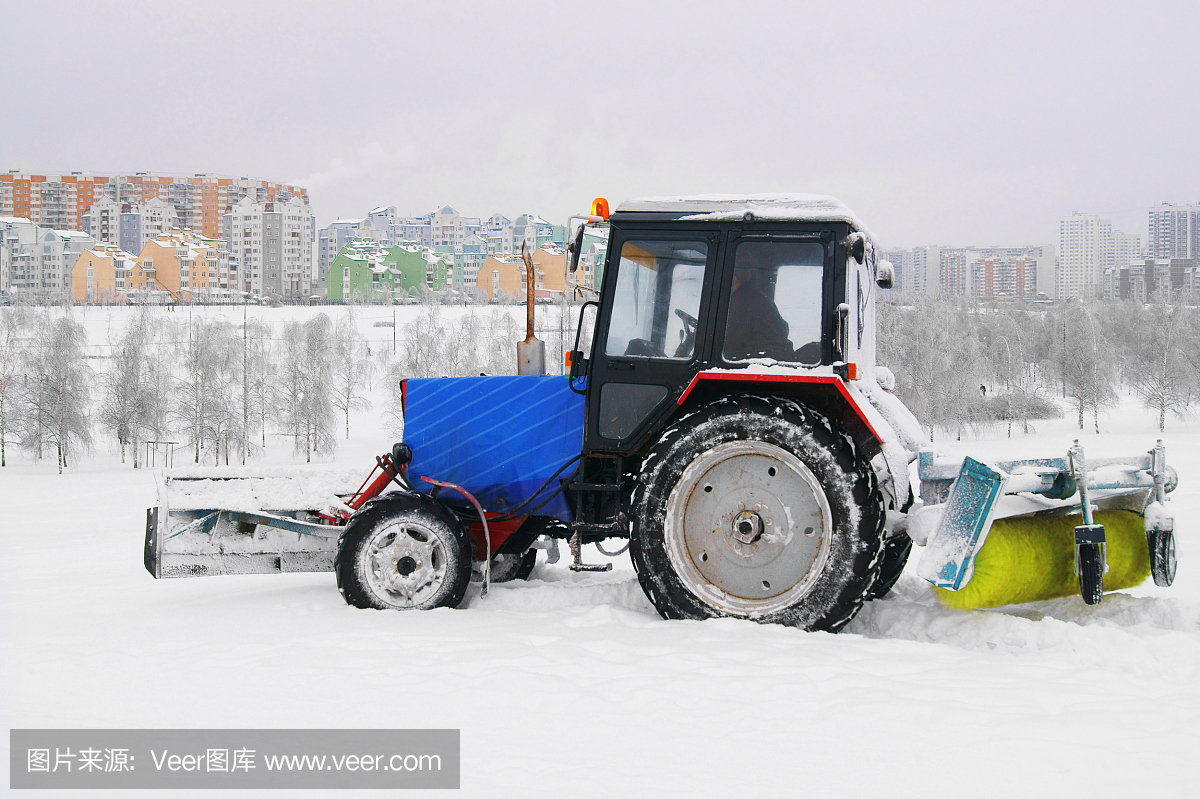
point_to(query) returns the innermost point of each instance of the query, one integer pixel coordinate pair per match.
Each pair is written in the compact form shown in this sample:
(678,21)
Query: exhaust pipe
(531,353)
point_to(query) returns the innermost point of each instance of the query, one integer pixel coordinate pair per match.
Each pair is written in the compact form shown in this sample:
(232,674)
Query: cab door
(652,333)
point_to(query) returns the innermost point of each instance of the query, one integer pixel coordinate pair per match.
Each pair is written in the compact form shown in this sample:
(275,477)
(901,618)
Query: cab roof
(724,207)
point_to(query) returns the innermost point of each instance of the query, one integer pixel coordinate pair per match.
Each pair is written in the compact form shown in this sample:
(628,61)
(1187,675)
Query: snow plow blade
(239,521)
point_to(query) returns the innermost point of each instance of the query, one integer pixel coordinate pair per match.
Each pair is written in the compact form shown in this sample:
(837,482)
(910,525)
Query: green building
(366,271)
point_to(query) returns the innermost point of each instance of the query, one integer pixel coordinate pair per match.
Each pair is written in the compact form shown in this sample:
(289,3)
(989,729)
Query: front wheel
(406,552)
(760,508)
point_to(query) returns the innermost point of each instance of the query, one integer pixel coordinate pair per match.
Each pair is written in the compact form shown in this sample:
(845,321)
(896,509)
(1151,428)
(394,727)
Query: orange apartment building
(506,273)
(59,201)
(109,275)
(185,264)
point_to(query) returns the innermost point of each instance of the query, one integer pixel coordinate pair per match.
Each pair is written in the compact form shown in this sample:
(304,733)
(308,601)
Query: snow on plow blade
(210,521)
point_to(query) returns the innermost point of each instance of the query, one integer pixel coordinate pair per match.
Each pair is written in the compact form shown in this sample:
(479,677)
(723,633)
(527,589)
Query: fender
(828,390)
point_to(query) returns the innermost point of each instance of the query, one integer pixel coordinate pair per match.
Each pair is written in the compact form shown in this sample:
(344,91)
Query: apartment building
(366,271)
(1151,279)
(15,234)
(268,248)
(37,261)
(448,227)
(1174,231)
(332,238)
(505,275)
(531,230)
(186,265)
(106,274)
(130,225)
(1087,248)
(466,257)
(60,201)
(980,272)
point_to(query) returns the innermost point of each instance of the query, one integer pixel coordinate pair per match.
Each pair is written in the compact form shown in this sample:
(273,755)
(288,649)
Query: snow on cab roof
(797,207)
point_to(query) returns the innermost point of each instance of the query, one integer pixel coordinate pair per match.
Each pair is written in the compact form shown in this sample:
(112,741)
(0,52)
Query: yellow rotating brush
(1030,558)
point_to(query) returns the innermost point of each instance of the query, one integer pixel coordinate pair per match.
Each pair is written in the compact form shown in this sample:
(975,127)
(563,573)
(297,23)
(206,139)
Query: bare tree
(424,341)
(57,390)
(133,405)
(1086,362)
(351,367)
(499,357)
(307,385)
(12,320)
(227,418)
(260,370)
(1158,370)
(206,406)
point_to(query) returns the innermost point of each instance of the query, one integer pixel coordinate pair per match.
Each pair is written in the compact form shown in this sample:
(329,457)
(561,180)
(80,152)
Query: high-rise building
(917,270)
(1174,231)
(268,248)
(1085,250)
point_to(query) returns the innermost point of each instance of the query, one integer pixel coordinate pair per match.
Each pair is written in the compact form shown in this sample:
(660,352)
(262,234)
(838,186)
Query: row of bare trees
(222,386)
(959,364)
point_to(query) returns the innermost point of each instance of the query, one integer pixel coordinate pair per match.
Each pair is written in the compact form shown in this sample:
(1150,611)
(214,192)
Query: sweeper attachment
(1022,531)
(724,414)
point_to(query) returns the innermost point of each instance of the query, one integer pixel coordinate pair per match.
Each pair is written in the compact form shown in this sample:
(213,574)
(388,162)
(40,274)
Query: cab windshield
(657,299)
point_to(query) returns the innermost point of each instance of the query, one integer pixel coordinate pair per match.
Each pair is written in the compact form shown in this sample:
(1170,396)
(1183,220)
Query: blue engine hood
(498,437)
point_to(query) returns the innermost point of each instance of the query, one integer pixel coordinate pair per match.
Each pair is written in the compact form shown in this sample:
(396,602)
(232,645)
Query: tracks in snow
(1147,637)
(1142,636)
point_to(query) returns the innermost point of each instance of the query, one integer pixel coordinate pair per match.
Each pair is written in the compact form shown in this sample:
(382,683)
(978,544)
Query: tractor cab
(715,288)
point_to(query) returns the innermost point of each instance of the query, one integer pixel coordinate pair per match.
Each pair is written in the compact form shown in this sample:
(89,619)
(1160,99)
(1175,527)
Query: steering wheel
(687,336)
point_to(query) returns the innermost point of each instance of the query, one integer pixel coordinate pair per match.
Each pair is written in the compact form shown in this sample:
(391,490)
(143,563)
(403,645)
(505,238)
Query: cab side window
(775,302)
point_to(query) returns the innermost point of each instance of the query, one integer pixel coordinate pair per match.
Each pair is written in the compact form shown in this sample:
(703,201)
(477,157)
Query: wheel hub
(406,564)
(748,527)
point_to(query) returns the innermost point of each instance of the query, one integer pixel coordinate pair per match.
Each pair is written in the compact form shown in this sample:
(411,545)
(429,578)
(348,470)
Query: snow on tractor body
(726,416)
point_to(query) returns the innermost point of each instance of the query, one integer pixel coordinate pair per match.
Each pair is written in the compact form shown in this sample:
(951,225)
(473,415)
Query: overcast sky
(938,123)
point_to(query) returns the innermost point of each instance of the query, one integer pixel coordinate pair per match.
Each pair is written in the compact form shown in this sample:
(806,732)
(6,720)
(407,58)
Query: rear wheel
(407,553)
(760,508)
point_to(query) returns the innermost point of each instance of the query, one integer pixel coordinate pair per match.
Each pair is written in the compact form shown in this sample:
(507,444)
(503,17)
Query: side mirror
(885,275)
(575,248)
(857,244)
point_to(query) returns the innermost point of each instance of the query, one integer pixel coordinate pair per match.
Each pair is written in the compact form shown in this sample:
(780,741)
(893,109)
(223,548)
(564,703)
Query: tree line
(220,386)
(960,365)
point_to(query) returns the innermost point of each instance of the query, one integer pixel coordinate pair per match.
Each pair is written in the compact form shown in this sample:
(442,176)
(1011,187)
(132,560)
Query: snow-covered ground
(571,685)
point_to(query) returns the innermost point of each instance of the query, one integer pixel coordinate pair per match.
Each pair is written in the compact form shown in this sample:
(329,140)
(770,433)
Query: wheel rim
(404,564)
(748,528)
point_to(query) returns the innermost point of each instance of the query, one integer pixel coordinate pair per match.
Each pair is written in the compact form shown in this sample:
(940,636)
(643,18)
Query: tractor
(722,416)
